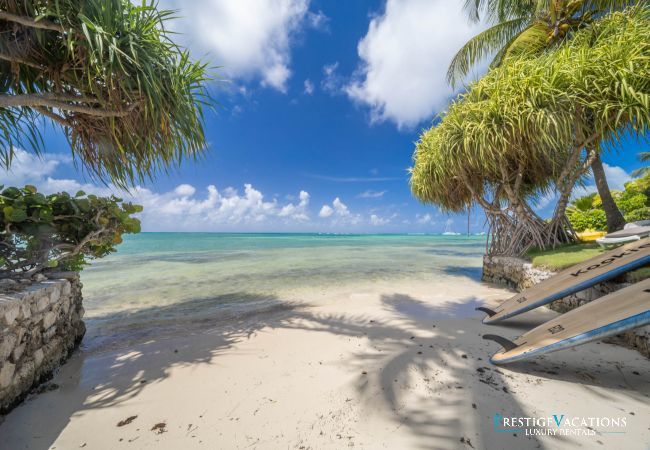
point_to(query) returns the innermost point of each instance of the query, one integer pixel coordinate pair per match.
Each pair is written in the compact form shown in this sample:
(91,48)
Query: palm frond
(129,100)
(483,45)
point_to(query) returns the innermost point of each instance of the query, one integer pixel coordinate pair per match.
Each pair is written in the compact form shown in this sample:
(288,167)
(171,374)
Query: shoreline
(401,365)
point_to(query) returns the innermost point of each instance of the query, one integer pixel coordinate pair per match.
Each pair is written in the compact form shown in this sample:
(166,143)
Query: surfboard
(612,314)
(600,268)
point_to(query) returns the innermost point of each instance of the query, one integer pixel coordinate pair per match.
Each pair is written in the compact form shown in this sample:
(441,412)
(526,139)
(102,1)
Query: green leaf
(15,214)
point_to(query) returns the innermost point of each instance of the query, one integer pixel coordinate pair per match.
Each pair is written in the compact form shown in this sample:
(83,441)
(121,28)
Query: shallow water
(158,279)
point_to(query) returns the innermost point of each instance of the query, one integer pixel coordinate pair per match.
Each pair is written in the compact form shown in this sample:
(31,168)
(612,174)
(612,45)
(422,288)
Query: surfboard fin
(487,311)
(507,344)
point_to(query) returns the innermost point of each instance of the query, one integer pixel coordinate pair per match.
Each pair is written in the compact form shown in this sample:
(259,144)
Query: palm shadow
(147,357)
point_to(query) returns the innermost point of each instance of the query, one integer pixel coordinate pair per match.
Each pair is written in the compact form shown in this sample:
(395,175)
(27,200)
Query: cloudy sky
(319,104)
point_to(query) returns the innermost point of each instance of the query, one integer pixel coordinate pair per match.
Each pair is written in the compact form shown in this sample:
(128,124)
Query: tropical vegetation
(532,128)
(59,231)
(128,99)
(528,27)
(586,212)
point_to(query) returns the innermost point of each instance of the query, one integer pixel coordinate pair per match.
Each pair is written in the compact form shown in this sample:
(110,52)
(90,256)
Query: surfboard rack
(487,311)
(507,344)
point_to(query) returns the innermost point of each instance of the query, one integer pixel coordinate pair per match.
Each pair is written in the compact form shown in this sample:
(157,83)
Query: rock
(25,311)
(18,352)
(49,334)
(38,357)
(39,278)
(55,295)
(6,374)
(7,345)
(40,324)
(49,319)
(7,283)
(11,312)
(42,303)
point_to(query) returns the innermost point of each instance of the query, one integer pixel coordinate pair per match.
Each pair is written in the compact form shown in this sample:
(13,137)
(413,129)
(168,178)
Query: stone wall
(520,274)
(40,325)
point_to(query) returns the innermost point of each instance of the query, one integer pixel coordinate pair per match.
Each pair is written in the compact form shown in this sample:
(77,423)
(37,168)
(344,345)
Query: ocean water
(181,279)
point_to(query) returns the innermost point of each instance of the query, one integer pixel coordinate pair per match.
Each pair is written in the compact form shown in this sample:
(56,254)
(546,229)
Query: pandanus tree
(129,100)
(528,27)
(534,124)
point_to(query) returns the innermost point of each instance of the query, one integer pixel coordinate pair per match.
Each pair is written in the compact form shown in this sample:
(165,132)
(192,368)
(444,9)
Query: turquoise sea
(182,279)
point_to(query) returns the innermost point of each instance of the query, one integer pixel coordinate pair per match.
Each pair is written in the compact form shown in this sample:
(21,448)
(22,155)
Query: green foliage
(586,213)
(59,230)
(524,27)
(594,219)
(645,170)
(128,99)
(638,214)
(524,118)
(585,203)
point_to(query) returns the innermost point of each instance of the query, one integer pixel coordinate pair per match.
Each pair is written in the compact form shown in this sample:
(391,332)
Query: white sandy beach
(399,365)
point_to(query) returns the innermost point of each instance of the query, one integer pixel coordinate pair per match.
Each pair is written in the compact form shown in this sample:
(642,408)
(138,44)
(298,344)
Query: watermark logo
(559,425)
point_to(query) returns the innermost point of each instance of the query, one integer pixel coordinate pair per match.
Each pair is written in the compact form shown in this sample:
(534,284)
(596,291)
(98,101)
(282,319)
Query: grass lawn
(568,255)
(564,256)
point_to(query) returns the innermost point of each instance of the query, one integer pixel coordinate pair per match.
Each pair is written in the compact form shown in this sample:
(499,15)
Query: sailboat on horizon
(448,231)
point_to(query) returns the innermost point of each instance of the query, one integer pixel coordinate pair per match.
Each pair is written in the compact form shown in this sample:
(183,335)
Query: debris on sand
(465,440)
(126,421)
(159,428)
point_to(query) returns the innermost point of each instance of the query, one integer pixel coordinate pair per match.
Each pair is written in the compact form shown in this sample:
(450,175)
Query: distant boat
(448,231)
(482,233)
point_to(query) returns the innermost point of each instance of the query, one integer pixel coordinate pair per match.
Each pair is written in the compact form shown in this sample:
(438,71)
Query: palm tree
(642,171)
(527,27)
(531,125)
(128,99)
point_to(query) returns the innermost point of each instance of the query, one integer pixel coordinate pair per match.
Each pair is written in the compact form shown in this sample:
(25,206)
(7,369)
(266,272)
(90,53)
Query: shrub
(638,214)
(593,219)
(59,230)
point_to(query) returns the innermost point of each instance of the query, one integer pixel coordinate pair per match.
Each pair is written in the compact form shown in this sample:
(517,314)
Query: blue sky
(319,106)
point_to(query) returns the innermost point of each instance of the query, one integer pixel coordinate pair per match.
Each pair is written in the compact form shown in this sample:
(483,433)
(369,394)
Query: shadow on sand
(420,349)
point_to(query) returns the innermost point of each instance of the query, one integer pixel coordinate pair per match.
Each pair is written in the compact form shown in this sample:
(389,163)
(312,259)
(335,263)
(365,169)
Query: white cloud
(182,208)
(318,20)
(340,208)
(404,59)
(309,87)
(27,168)
(372,194)
(186,207)
(377,221)
(332,82)
(616,176)
(246,38)
(326,211)
(424,219)
(616,179)
(299,211)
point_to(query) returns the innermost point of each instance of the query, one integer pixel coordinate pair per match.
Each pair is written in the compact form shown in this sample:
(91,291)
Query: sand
(399,365)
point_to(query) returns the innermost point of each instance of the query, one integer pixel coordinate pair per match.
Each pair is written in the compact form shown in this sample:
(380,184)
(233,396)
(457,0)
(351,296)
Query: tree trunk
(615,220)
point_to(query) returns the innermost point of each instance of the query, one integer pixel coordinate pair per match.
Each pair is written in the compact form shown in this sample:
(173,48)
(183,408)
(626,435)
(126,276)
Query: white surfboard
(574,279)
(612,314)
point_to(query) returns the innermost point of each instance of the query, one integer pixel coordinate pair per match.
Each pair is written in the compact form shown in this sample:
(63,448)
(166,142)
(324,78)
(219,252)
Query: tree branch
(55,117)
(19,60)
(29,22)
(61,101)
